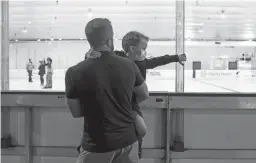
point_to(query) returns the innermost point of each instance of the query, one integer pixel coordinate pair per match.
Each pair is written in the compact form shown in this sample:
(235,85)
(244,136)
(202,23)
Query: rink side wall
(217,128)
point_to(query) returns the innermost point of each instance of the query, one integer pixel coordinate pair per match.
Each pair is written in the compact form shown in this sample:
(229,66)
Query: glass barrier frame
(4,45)
(168,103)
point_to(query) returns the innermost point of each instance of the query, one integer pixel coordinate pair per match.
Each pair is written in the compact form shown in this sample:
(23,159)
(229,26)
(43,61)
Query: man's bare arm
(74,107)
(72,100)
(140,87)
(141,92)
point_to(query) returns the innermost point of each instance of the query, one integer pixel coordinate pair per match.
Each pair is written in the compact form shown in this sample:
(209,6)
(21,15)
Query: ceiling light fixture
(248,25)
(248,28)
(38,40)
(29,22)
(197,3)
(89,15)
(16,40)
(24,30)
(52,38)
(249,35)
(195,24)
(189,34)
(60,39)
(222,14)
(55,19)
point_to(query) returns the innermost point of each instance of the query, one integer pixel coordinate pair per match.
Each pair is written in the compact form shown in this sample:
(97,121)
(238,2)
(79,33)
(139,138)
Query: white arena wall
(68,53)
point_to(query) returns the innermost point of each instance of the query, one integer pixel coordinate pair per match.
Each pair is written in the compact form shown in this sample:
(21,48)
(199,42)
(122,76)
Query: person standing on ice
(41,72)
(30,67)
(49,73)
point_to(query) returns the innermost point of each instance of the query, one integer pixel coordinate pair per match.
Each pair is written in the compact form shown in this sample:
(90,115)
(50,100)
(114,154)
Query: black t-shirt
(104,86)
(41,69)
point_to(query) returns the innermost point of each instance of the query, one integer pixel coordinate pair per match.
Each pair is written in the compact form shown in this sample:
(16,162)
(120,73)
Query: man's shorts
(127,154)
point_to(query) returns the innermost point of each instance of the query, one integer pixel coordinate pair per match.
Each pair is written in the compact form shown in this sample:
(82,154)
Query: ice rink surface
(191,85)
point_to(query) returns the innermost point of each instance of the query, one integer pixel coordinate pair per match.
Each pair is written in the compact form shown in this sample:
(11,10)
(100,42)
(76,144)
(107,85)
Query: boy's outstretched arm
(164,60)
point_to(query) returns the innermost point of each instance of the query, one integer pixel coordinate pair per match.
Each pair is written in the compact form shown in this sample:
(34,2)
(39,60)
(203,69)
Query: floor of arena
(191,85)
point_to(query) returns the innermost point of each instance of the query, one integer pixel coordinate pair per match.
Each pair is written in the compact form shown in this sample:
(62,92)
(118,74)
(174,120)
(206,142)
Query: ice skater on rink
(41,71)
(30,67)
(49,73)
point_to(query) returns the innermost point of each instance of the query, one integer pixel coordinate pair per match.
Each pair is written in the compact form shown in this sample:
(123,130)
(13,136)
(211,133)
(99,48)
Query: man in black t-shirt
(100,89)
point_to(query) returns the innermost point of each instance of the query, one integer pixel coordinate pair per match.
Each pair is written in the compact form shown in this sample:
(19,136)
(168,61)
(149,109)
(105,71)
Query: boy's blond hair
(132,38)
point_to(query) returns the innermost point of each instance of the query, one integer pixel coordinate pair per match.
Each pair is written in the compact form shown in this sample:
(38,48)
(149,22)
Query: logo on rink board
(227,73)
(205,73)
(161,74)
(253,73)
(153,73)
